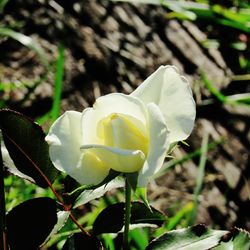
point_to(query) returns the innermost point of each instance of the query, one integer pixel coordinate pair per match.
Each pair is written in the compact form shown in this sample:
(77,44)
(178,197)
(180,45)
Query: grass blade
(191,10)
(172,163)
(26,41)
(175,220)
(200,177)
(243,98)
(58,83)
(2,4)
(212,89)
(140,238)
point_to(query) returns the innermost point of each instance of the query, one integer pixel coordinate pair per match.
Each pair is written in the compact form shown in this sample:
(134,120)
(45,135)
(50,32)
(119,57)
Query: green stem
(2,207)
(127,215)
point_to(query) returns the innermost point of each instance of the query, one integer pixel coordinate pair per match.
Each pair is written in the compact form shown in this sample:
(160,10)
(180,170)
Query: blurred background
(62,55)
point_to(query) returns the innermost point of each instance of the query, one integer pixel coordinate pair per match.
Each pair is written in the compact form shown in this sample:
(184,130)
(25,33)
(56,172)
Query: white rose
(126,133)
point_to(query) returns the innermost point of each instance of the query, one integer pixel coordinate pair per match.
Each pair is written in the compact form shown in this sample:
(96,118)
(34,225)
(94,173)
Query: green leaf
(62,217)
(25,143)
(30,223)
(140,216)
(235,239)
(91,194)
(200,237)
(141,193)
(103,222)
(81,241)
(72,193)
(195,237)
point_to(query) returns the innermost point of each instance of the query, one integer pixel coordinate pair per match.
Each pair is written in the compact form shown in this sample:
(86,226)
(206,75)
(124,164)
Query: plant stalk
(3,242)
(127,215)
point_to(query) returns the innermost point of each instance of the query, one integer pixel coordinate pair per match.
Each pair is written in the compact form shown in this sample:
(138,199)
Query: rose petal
(65,141)
(123,131)
(172,93)
(158,145)
(64,138)
(121,160)
(103,107)
(90,169)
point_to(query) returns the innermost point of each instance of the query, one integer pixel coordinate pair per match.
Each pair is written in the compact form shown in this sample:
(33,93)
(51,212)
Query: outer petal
(64,138)
(172,93)
(106,105)
(90,169)
(159,143)
(65,141)
(121,160)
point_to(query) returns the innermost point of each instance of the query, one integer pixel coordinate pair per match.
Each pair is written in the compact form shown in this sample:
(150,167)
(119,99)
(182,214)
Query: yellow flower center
(123,131)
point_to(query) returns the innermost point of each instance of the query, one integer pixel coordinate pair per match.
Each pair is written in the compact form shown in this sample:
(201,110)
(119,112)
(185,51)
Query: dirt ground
(113,47)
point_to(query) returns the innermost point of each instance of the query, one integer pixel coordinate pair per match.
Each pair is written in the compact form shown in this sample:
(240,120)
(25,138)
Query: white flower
(126,133)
